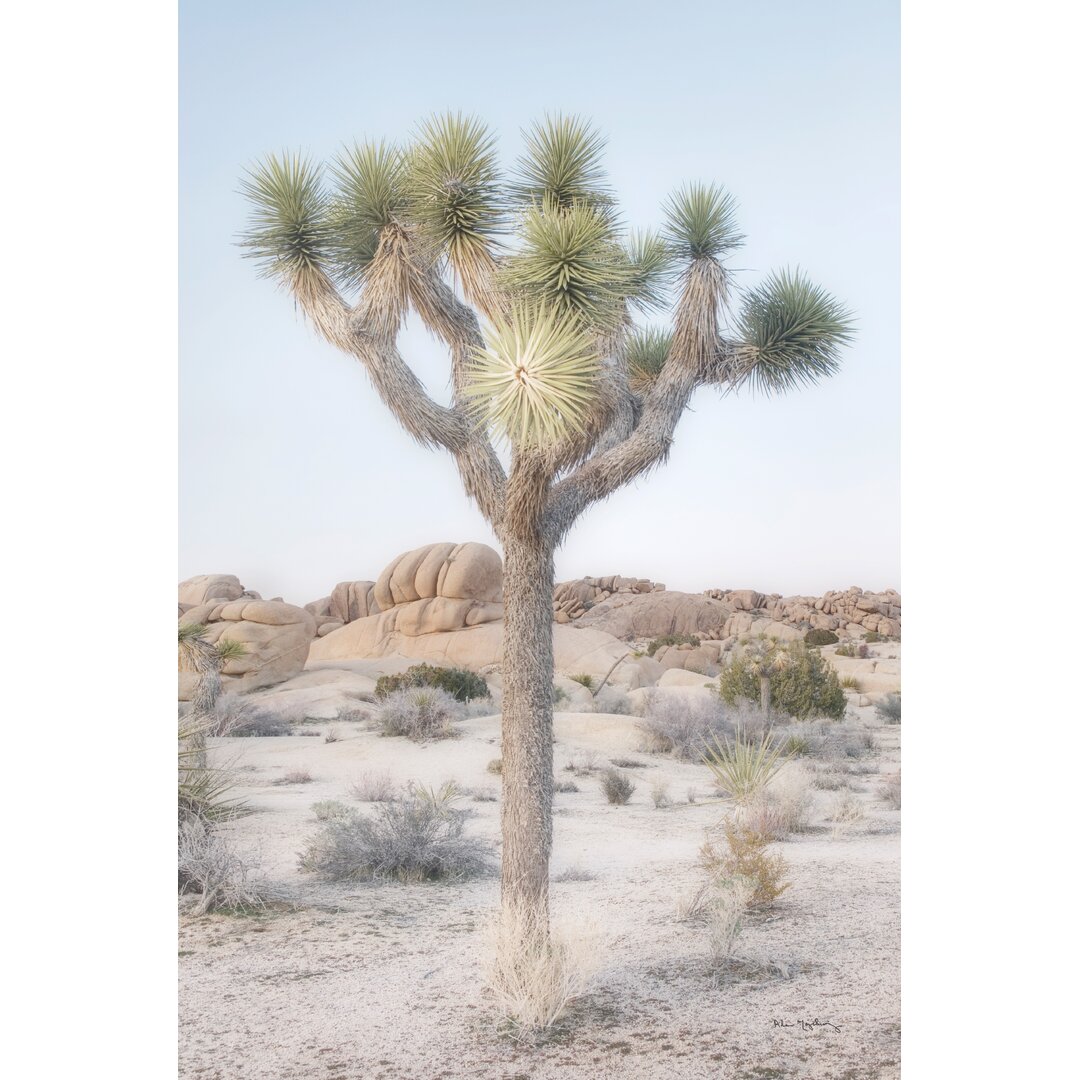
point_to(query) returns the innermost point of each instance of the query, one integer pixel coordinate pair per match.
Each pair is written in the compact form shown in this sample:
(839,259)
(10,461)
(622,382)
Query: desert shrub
(849,682)
(782,808)
(210,867)
(421,837)
(818,637)
(582,763)
(373,787)
(494,766)
(742,767)
(806,688)
(627,763)
(888,709)
(612,700)
(332,735)
(566,787)
(420,713)
(691,795)
(485,706)
(797,746)
(583,680)
(743,855)
(617,787)
(329,808)
(874,637)
(658,789)
(483,795)
(673,639)
(535,976)
(890,790)
(680,726)
(294,776)
(244,719)
(574,873)
(859,652)
(558,695)
(847,811)
(462,684)
(724,911)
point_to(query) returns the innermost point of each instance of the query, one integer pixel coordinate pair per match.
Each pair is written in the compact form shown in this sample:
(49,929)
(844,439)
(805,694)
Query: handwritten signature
(806,1025)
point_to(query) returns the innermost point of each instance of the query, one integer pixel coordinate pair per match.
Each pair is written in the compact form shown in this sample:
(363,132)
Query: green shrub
(673,639)
(872,636)
(888,709)
(807,688)
(849,682)
(816,638)
(461,683)
(582,680)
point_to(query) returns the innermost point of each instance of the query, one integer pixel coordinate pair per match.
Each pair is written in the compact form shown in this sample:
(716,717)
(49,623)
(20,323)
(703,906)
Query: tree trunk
(528,670)
(766,695)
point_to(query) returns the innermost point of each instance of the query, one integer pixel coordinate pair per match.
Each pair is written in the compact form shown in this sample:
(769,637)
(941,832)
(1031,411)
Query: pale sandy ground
(373,982)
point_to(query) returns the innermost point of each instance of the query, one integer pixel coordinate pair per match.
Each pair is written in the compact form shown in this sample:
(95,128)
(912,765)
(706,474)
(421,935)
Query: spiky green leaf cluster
(454,187)
(791,333)
(289,232)
(229,649)
(742,766)
(189,632)
(562,163)
(701,222)
(532,383)
(646,353)
(650,270)
(571,262)
(370,195)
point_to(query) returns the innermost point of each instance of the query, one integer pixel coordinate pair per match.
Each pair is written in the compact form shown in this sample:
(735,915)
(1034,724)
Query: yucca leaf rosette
(533,381)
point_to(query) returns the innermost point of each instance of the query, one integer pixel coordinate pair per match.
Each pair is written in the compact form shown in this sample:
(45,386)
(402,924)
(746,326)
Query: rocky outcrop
(573,598)
(203,588)
(277,637)
(642,617)
(850,611)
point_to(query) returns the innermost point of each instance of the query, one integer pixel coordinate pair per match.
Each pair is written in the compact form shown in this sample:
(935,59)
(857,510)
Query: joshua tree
(764,659)
(196,654)
(531,282)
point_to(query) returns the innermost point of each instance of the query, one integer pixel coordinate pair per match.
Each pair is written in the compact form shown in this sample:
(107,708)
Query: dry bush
(831,778)
(658,790)
(691,795)
(420,713)
(332,735)
(234,718)
(627,763)
(566,787)
(209,866)
(294,776)
(724,914)
(494,766)
(485,706)
(373,787)
(890,790)
(617,786)
(574,873)
(782,808)
(534,976)
(682,726)
(583,763)
(743,854)
(330,808)
(888,709)
(847,812)
(613,700)
(421,837)
(582,680)
(850,682)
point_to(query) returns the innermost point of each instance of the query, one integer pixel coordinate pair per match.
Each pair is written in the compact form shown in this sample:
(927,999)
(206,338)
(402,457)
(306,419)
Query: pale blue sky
(292,474)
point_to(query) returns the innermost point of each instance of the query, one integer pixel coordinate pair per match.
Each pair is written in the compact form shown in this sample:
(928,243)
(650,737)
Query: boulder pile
(850,611)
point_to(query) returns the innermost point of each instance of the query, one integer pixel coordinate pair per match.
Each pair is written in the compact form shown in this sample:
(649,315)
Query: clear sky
(294,477)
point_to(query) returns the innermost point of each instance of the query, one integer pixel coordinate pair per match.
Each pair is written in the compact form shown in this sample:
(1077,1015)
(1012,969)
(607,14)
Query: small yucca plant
(743,766)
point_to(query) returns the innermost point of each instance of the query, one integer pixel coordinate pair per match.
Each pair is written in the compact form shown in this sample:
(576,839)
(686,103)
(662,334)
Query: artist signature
(806,1025)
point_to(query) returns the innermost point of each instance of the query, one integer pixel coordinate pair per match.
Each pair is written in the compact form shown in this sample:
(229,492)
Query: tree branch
(403,393)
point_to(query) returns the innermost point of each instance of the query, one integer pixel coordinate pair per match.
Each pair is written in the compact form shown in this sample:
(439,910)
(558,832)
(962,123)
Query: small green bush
(816,638)
(888,709)
(617,786)
(859,652)
(807,688)
(582,680)
(673,639)
(873,637)
(460,682)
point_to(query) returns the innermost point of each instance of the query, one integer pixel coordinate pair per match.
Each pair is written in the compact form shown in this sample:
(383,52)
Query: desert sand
(367,981)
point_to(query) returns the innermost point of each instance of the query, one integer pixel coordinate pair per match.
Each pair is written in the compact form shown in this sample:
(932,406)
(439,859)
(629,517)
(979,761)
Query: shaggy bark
(527,707)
